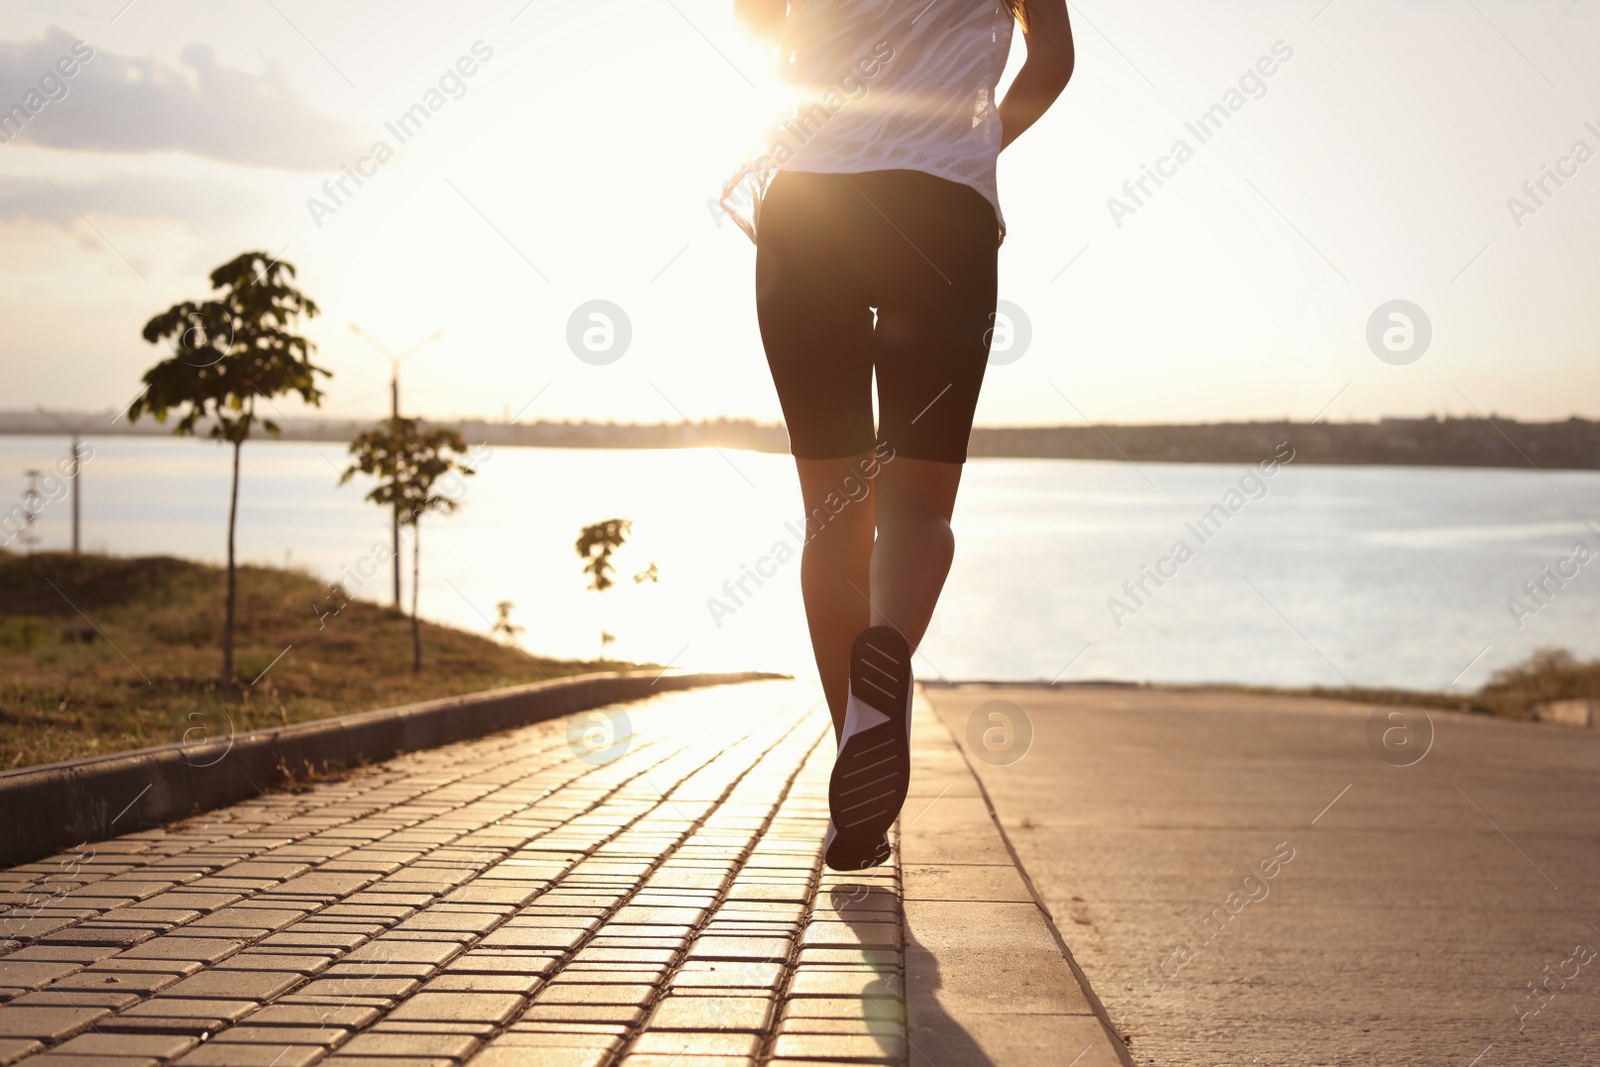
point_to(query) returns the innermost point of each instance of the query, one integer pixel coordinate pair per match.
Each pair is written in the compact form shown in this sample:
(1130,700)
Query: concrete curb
(55,806)
(988,974)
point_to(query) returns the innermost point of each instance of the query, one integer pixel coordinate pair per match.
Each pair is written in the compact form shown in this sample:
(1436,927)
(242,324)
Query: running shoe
(873,768)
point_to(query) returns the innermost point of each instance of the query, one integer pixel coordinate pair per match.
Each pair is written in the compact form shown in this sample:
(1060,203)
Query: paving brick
(888,1009)
(661,915)
(14,1048)
(258,986)
(156,1046)
(484,983)
(626,955)
(845,958)
(242,917)
(677,1043)
(118,965)
(703,974)
(213,1054)
(670,944)
(294,937)
(521,1056)
(497,1008)
(412,1026)
(51,1059)
(597,1035)
(23,975)
(345,1017)
(583,1013)
(389,949)
(249,1033)
(454,1046)
(569,992)
(479,893)
(857,1048)
(164,1006)
(273,961)
(534,937)
(872,1025)
(608,972)
(325,884)
(368,969)
(852,935)
(74,935)
(712,1013)
(47,1024)
(140,915)
(501,963)
(862,982)
(453,920)
(61,954)
(754,949)
(662,1059)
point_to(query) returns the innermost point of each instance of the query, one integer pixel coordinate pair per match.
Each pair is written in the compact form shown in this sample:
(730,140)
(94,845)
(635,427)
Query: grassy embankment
(151,672)
(1512,692)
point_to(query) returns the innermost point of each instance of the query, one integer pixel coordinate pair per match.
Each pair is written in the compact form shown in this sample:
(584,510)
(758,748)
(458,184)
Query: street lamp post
(394,413)
(76,429)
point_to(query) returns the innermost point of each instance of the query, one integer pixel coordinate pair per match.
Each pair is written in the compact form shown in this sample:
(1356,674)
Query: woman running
(877,225)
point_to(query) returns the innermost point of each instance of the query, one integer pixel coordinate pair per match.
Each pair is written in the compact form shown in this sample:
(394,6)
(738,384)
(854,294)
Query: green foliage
(1547,674)
(22,633)
(231,349)
(595,545)
(226,352)
(408,462)
(503,627)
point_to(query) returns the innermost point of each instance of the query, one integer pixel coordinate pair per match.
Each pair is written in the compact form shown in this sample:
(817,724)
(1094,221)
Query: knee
(929,530)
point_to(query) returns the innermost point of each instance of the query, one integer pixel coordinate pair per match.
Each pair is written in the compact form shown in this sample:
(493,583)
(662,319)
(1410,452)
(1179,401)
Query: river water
(1315,575)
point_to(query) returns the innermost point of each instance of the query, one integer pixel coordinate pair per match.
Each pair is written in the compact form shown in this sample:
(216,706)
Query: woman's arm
(1044,74)
(762,19)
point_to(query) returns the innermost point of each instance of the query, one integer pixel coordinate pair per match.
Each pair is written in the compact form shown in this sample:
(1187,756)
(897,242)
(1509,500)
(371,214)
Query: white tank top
(884,85)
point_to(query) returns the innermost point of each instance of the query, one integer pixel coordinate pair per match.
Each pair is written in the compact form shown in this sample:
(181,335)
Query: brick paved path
(498,902)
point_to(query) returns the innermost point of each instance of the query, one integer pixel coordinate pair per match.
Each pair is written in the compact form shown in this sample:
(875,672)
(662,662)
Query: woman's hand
(762,19)
(1044,74)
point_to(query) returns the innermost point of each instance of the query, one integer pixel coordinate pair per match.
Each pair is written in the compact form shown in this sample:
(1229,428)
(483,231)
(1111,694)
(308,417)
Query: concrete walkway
(1259,879)
(639,885)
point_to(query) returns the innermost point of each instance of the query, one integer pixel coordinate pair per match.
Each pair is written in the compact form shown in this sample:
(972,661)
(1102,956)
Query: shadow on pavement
(860,904)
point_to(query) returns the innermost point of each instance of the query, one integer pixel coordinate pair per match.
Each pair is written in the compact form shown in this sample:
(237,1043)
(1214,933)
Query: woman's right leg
(911,557)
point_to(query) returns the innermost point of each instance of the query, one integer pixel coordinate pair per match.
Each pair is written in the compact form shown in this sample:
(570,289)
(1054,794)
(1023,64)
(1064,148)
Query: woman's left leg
(836,565)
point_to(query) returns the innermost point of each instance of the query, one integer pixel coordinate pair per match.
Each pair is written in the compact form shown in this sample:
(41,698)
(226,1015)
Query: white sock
(858,716)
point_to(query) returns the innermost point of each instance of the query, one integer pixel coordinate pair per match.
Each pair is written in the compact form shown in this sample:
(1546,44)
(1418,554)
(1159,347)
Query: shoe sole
(873,769)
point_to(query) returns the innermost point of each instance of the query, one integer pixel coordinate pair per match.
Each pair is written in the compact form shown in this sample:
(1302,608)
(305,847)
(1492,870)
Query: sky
(572,146)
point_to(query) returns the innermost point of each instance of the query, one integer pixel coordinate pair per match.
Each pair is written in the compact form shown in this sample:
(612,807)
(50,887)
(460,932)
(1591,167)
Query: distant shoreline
(1427,442)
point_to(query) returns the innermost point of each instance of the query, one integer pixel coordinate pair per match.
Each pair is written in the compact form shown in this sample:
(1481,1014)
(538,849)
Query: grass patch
(1548,674)
(1511,692)
(104,654)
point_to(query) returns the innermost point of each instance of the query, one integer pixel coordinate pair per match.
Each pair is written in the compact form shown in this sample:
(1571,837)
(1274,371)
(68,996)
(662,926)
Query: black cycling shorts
(921,250)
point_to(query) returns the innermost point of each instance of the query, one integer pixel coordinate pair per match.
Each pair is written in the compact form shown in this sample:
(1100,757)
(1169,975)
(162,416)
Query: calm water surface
(1318,575)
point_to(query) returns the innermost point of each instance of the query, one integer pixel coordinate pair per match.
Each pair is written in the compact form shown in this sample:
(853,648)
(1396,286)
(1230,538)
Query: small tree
(503,627)
(227,352)
(595,546)
(408,462)
(596,543)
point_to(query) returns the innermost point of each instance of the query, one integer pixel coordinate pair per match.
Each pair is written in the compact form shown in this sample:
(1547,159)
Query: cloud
(127,104)
(203,205)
